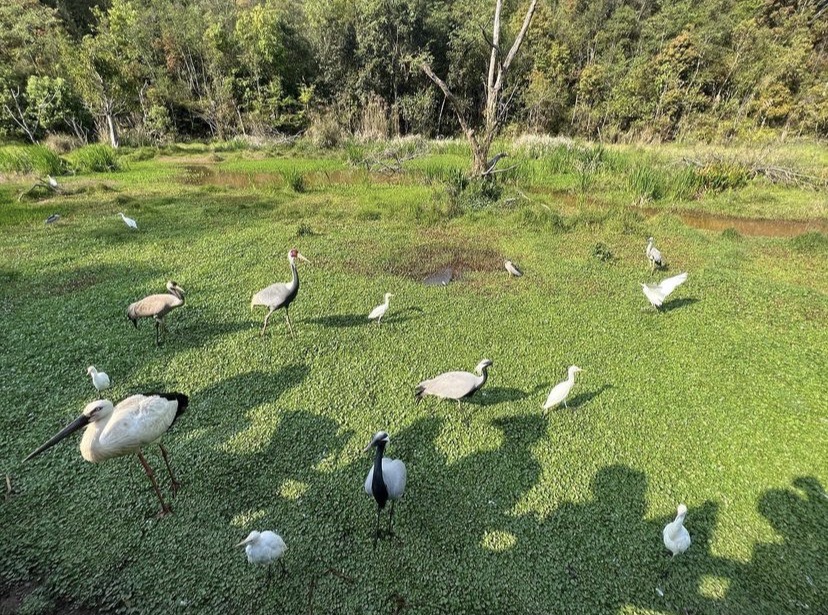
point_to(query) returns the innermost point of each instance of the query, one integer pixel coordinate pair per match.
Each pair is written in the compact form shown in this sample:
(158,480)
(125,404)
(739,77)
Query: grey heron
(386,479)
(654,255)
(657,293)
(278,296)
(115,431)
(454,385)
(128,221)
(560,391)
(378,312)
(513,269)
(53,218)
(676,536)
(490,165)
(264,548)
(99,379)
(157,307)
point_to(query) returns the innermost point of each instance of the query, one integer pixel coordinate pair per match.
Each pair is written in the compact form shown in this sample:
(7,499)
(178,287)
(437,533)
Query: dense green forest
(153,71)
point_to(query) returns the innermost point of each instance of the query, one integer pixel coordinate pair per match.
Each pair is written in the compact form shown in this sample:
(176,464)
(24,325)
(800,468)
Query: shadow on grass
(676,304)
(488,396)
(584,398)
(361,320)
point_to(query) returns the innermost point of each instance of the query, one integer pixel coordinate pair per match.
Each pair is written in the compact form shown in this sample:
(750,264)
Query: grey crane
(454,385)
(385,480)
(654,255)
(513,269)
(490,165)
(278,296)
(157,307)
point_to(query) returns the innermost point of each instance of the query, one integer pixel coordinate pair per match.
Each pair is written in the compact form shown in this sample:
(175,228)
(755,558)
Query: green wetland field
(719,401)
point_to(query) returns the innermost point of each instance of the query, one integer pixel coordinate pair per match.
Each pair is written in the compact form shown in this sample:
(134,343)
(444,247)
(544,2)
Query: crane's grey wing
(272,296)
(149,306)
(513,269)
(394,474)
(670,284)
(368,481)
(451,385)
(655,255)
(138,421)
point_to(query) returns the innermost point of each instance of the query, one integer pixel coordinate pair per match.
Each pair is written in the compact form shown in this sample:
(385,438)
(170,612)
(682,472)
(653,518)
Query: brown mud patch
(755,227)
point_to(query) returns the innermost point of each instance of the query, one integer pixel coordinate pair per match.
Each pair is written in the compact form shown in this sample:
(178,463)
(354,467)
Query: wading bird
(454,385)
(676,536)
(657,293)
(115,431)
(491,164)
(385,481)
(128,221)
(379,311)
(513,269)
(264,548)
(99,379)
(654,255)
(157,307)
(560,391)
(52,183)
(278,296)
(53,218)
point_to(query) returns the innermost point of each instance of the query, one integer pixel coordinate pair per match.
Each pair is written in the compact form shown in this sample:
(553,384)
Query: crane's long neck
(294,281)
(484,375)
(378,487)
(178,294)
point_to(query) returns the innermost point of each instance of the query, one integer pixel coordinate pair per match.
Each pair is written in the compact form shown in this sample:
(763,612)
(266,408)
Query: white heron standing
(653,255)
(115,431)
(378,312)
(157,307)
(278,296)
(264,548)
(454,385)
(657,293)
(99,379)
(513,269)
(386,479)
(560,391)
(128,221)
(676,536)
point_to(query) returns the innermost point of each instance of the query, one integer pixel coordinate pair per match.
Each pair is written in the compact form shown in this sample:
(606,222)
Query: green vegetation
(718,401)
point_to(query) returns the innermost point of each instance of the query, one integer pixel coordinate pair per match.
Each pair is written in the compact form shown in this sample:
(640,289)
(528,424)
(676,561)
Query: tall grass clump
(96,158)
(25,159)
(295,180)
(646,182)
(810,242)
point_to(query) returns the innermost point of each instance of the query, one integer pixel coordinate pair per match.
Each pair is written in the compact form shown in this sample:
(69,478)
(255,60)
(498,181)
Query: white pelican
(560,391)
(385,480)
(99,379)
(513,269)
(379,311)
(128,221)
(157,307)
(676,536)
(654,255)
(454,385)
(657,293)
(264,548)
(278,296)
(115,431)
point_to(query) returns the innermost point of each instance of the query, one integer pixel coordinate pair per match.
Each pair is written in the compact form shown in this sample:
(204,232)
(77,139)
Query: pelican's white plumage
(676,536)
(263,548)
(100,380)
(560,391)
(378,312)
(657,293)
(128,221)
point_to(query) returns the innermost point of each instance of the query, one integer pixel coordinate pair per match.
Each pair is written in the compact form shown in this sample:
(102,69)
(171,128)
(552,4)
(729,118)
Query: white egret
(378,312)
(264,548)
(676,536)
(278,296)
(454,385)
(52,183)
(386,479)
(657,293)
(128,221)
(513,269)
(115,431)
(99,379)
(157,307)
(560,391)
(654,255)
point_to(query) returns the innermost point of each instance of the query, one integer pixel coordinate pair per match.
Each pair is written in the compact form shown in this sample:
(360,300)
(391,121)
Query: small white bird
(264,548)
(560,391)
(513,269)
(128,221)
(52,182)
(676,536)
(657,293)
(99,379)
(379,311)
(654,255)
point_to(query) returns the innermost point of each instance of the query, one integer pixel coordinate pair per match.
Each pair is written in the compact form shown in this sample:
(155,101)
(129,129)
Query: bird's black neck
(378,488)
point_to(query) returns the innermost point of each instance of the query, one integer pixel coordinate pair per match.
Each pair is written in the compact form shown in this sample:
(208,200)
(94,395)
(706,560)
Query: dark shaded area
(676,304)
(440,278)
(584,398)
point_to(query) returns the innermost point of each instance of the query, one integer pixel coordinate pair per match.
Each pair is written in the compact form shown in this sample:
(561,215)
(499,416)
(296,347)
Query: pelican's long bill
(79,422)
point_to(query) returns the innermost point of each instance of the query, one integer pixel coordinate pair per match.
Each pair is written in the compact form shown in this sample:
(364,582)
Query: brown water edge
(204,175)
(756,227)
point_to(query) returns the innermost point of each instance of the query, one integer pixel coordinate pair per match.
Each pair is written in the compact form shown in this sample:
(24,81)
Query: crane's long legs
(376,527)
(267,317)
(165,510)
(390,531)
(174,484)
(157,327)
(287,318)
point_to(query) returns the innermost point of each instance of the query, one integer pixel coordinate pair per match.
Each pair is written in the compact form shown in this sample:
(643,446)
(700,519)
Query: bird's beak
(243,543)
(299,256)
(368,448)
(71,427)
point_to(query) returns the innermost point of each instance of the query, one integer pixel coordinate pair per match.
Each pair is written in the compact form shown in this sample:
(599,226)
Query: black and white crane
(386,479)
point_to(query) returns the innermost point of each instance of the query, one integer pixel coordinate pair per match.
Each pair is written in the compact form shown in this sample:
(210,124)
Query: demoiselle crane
(264,548)
(385,481)
(676,536)
(53,218)
(654,255)
(115,431)
(378,312)
(278,296)
(99,379)
(560,391)
(128,221)
(454,385)
(657,293)
(157,307)
(513,269)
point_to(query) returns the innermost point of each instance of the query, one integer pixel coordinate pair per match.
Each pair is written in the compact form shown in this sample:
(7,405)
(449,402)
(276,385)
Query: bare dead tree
(494,112)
